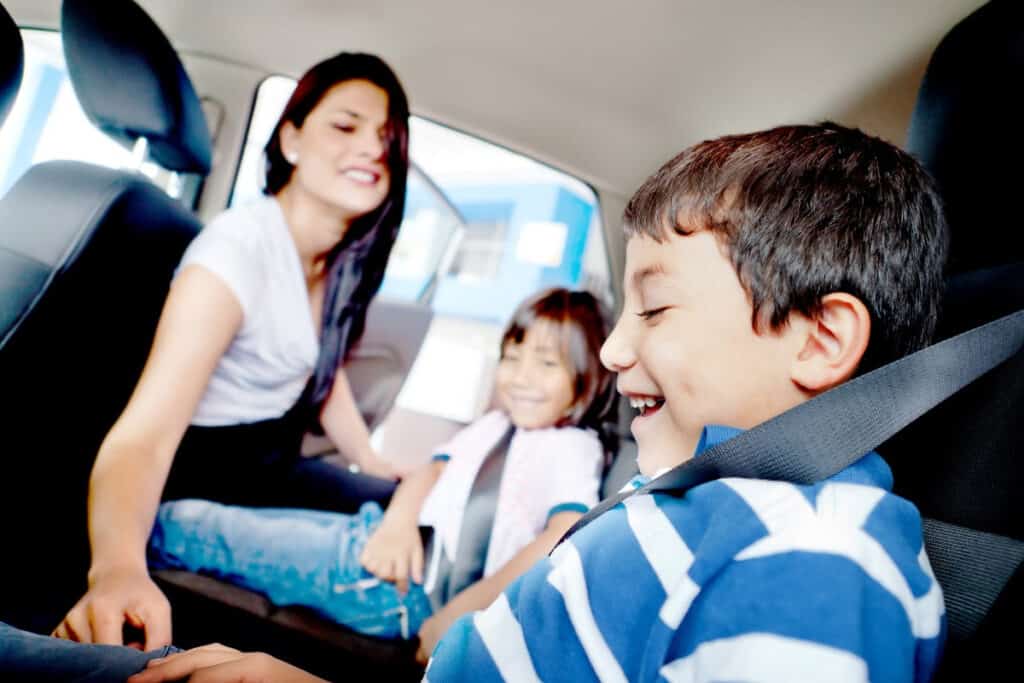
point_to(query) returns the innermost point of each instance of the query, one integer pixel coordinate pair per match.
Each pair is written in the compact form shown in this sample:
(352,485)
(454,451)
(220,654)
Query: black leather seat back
(961,464)
(86,259)
(12,62)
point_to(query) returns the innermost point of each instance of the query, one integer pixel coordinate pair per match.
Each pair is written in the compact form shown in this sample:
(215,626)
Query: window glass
(47,123)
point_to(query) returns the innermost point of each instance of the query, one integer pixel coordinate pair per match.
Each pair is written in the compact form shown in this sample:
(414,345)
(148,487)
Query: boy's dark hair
(582,326)
(804,211)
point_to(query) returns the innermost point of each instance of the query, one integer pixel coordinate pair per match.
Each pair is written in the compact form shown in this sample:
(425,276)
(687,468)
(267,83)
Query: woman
(266,304)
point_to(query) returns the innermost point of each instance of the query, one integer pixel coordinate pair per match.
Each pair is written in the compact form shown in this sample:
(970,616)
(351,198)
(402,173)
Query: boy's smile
(686,351)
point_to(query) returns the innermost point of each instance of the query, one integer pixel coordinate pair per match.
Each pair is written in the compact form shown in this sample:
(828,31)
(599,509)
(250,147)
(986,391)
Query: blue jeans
(294,557)
(32,658)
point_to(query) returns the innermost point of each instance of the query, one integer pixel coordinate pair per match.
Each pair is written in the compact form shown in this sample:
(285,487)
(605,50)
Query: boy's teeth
(643,403)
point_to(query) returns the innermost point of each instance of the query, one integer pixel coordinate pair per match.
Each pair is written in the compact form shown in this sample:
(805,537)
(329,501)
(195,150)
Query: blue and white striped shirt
(739,580)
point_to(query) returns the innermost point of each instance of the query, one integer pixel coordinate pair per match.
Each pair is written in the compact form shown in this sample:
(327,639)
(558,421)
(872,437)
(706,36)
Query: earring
(292,157)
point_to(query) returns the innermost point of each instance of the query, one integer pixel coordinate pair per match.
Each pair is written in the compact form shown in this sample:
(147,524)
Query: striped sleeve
(739,580)
(813,601)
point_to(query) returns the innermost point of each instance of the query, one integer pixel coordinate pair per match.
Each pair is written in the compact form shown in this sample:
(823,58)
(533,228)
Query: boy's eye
(651,313)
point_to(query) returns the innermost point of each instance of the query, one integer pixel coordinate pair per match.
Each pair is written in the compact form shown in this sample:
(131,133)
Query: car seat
(89,253)
(961,464)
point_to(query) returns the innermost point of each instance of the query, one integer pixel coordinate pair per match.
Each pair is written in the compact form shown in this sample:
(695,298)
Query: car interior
(604,95)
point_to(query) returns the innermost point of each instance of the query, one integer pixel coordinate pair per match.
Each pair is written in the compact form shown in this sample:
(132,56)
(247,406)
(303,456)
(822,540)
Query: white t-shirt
(269,361)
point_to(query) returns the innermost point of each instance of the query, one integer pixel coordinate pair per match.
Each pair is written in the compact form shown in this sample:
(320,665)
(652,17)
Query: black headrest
(966,129)
(131,83)
(12,62)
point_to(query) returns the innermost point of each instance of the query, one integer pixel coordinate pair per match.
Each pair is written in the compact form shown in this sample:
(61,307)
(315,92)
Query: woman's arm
(346,429)
(200,318)
(486,590)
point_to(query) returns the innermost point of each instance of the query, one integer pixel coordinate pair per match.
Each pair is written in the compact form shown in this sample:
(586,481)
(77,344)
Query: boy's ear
(832,343)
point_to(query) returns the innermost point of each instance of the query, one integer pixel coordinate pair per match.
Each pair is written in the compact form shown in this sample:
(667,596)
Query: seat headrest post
(139,152)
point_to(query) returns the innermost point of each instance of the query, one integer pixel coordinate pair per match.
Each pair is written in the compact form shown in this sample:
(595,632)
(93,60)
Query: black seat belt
(467,567)
(817,439)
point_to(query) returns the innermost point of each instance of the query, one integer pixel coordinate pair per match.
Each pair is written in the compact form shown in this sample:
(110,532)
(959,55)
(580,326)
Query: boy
(761,270)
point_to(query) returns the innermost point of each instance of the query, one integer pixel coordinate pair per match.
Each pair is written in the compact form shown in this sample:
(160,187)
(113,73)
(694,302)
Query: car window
(47,123)
(525,226)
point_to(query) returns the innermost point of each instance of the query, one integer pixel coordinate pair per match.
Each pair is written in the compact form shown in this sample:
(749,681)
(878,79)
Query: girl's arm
(346,429)
(395,551)
(486,590)
(200,318)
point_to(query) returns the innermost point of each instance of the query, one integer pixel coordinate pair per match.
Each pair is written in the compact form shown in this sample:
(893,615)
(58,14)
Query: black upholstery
(85,271)
(86,258)
(207,610)
(153,97)
(12,63)
(966,130)
(962,463)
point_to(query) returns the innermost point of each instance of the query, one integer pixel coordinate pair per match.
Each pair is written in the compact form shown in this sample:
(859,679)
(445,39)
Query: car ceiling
(607,90)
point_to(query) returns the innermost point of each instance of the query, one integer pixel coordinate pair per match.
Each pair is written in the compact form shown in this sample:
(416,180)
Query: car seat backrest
(88,255)
(12,62)
(961,464)
(152,98)
(965,129)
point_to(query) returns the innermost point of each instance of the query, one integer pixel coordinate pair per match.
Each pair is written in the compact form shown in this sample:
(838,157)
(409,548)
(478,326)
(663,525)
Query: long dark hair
(355,266)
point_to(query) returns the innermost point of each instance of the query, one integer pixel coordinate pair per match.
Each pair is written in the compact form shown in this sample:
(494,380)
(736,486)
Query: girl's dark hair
(355,267)
(582,326)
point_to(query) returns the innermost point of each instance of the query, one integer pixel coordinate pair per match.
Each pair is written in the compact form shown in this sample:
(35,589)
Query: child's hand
(431,632)
(219,664)
(395,553)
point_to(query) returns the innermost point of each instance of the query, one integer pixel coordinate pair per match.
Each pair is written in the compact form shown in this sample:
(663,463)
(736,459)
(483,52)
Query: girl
(370,571)
(267,302)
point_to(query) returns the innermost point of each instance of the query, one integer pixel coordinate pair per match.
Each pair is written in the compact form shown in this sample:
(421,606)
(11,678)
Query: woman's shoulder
(246,223)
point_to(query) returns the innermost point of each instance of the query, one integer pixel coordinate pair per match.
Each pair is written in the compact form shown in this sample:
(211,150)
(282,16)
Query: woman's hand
(114,599)
(220,664)
(395,553)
